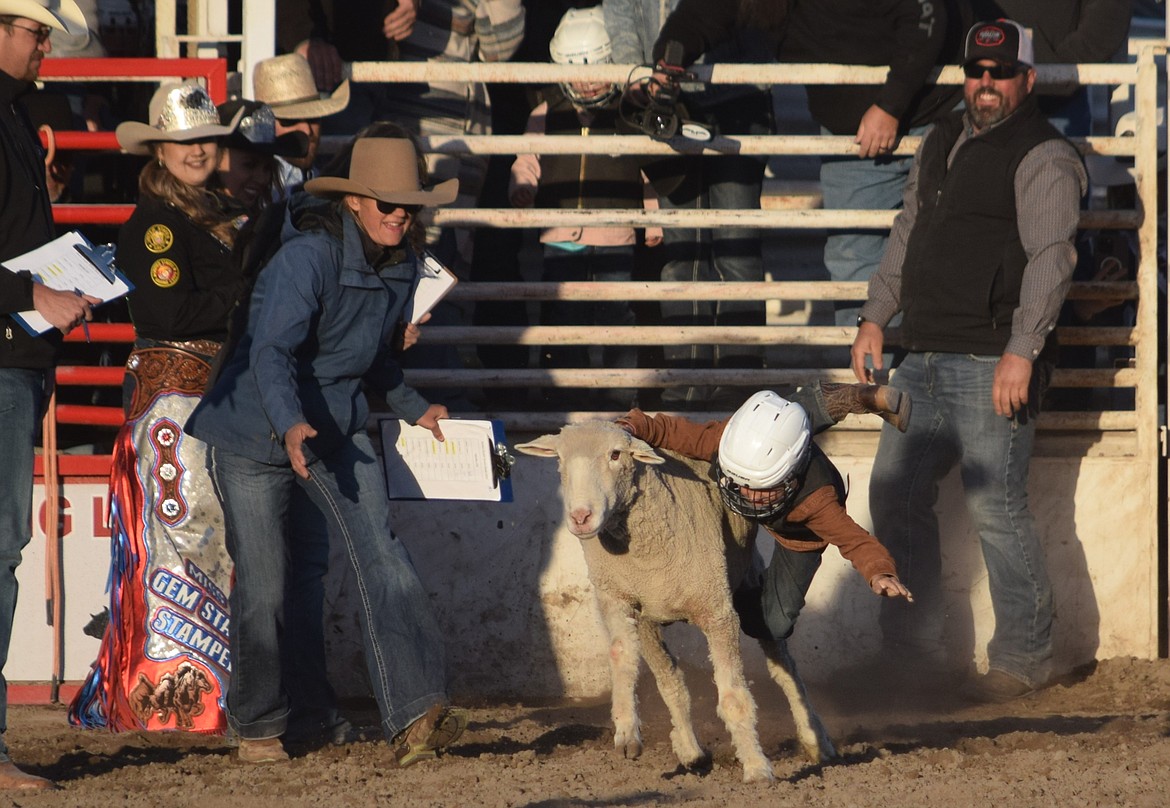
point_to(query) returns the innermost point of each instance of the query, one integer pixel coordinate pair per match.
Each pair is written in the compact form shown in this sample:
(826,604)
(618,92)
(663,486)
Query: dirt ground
(1101,736)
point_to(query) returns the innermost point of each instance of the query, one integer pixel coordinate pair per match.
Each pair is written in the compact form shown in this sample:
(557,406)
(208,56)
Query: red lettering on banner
(101,529)
(66,517)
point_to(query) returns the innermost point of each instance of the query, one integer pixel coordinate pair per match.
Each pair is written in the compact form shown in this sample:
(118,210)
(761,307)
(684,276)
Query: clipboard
(471,464)
(431,285)
(69,263)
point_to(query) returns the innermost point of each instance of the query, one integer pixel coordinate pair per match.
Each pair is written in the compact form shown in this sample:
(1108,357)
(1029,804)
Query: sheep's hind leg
(810,732)
(737,708)
(673,688)
(624,659)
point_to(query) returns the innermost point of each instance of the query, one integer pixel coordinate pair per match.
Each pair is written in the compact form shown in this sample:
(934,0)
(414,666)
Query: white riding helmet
(765,446)
(581,39)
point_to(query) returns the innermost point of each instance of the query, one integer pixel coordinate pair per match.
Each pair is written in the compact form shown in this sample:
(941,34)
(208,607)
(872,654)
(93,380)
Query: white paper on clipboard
(432,285)
(460,467)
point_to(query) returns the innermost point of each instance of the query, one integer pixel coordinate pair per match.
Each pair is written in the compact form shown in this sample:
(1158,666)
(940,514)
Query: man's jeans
(403,643)
(727,254)
(955,423)
(850,183)
(21,394)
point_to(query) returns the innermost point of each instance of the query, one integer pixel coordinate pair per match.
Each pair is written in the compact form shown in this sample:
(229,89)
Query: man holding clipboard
(26,222)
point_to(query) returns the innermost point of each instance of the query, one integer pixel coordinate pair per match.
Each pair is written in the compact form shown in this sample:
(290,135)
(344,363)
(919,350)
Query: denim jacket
(320,324)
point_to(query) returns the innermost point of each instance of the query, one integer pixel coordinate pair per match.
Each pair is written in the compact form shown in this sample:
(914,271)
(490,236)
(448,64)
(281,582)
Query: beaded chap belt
(171,369)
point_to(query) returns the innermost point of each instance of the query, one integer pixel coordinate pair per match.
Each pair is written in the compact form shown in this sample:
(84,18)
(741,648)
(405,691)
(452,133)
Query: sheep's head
(598,462)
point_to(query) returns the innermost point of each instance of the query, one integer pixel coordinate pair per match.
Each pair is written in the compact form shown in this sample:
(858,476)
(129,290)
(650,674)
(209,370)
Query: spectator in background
(285,83)
(1067,32)
(26,222)
(497,257)
(577,181)
(247,163)
(330,33)
(909,36)
(713,182)
(979,262)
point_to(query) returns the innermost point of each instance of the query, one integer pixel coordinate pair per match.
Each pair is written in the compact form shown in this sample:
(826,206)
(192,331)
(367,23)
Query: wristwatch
(861,319)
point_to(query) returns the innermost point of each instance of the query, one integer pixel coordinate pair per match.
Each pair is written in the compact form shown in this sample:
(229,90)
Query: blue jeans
(955,423)
(21,395)
(850,183)
(768,608)
(402,640)
(727,254)
(601,264)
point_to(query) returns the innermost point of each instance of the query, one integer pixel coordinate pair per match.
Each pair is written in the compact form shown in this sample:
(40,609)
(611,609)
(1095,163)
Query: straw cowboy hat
(179,113)
(385,169)
(256,131)
(64,15)
(286,84)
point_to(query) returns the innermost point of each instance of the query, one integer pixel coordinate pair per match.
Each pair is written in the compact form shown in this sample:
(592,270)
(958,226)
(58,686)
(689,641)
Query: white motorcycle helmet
(765,447)
(581,39)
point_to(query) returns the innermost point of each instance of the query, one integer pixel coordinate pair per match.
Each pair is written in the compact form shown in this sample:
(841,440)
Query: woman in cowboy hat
(289,412)
(176,249)
(247,163)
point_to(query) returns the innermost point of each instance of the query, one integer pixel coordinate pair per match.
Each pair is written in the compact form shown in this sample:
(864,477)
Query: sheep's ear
(544,446)
(643,452)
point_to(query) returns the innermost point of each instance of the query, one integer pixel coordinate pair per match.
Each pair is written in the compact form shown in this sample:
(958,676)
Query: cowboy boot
(893,406)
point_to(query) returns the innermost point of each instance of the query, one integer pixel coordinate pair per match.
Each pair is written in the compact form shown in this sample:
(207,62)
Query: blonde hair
(200,205)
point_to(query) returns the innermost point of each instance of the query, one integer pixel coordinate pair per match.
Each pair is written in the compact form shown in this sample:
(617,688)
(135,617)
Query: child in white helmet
(600,253)
(769,469)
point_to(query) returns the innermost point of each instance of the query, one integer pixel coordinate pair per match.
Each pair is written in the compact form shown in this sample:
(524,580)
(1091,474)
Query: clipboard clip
(502,462)
(101,256)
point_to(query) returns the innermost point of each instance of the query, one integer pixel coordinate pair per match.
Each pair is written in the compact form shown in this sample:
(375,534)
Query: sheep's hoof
(700,764)
(628,743)
(821,752)
(759,774)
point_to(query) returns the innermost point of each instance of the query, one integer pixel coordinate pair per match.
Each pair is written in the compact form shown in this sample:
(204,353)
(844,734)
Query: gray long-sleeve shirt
(1049,184)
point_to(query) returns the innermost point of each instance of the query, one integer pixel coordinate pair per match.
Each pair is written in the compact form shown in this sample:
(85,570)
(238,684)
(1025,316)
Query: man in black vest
(979,262)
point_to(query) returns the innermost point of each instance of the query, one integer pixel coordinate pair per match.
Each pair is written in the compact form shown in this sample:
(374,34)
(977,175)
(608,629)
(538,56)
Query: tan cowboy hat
(179,113)
(386,169)
(286,84)
(64,15)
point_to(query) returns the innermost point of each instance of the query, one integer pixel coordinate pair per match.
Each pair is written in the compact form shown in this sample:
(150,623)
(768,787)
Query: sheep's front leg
(673,688)
(624,658)
(810,732)
(737,708)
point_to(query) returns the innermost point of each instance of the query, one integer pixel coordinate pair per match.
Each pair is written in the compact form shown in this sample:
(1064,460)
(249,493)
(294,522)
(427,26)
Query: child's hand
(888,586)
(523,196)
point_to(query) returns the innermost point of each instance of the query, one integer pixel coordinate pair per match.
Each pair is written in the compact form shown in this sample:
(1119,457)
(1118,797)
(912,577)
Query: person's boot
(13,779)
(892,405)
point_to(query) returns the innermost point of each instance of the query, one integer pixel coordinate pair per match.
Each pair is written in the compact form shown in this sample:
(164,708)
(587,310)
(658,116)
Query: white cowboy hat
(64,15)
(178,113)
(286,84)
(385,169)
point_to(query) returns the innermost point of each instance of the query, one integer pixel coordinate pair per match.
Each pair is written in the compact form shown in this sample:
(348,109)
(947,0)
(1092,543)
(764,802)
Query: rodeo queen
(164,660)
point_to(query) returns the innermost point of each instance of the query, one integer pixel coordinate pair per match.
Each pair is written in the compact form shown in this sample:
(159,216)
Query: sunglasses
(390,207)
(41,34)
(997,71)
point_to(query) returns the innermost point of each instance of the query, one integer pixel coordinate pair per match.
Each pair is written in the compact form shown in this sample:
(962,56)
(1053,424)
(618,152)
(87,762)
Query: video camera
(657,111)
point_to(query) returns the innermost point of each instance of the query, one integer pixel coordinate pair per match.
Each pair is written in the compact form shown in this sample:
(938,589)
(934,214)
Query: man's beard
(983,117)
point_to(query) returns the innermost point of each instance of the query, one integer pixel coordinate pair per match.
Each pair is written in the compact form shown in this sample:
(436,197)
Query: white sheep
(660,547)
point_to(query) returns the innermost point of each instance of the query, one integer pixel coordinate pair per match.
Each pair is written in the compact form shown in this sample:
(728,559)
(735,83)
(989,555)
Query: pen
(84,322)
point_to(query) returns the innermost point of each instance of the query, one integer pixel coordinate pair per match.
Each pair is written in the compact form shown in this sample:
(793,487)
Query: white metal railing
(1050,75)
